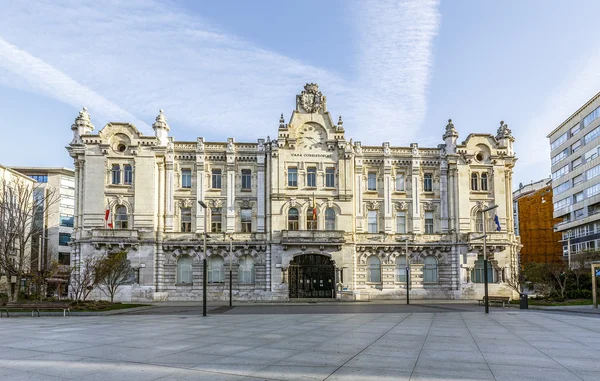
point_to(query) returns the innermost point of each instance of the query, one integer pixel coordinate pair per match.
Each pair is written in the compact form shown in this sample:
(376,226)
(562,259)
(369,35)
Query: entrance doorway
(312,276)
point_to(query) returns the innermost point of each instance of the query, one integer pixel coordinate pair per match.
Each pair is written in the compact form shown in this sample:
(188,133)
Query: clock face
(310,137)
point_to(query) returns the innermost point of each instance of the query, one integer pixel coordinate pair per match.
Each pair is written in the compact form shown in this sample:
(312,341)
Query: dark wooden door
(312,276)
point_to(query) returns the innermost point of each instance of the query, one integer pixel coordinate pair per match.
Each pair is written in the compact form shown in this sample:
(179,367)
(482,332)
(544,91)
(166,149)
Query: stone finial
(161,121)
(340,123)
(281,121)
(503,131)
(83,121)
(450,130)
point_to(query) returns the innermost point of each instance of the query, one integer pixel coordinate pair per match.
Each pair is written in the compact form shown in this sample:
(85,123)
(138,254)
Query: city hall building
(308,214)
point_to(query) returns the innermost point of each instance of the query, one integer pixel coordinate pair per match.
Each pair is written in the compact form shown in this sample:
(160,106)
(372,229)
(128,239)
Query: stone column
(260,187)
(444,194)
(387,197)
(200,185)
(416,212)
(160,227)
(230,214)
(170,190)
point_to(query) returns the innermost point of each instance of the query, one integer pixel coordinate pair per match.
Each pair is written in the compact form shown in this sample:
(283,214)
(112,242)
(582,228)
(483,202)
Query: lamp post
(204,262)
(485,261)
(407,269)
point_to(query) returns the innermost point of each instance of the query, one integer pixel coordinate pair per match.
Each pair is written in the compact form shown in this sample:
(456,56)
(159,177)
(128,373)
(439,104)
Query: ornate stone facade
(307,192)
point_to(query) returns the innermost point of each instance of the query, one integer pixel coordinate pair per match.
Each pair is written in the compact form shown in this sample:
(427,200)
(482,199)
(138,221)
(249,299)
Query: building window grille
(311,177)
(121,218)
(372,181)
(116,174)
(372,221)
(184,270)
(430,270)
(186,178)
(293,219)
(292,177)
(127,174)
(216,179)
(329,219)
(186,220)
(246,217)
(427,183)
(246,179)
(330,177)
(374,270)
(216,269)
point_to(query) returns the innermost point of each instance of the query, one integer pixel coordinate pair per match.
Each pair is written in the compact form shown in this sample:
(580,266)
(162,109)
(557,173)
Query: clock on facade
(310,137)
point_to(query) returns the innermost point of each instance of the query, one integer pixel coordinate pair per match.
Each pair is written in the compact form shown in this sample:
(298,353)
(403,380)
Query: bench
(35,307)
(495,299)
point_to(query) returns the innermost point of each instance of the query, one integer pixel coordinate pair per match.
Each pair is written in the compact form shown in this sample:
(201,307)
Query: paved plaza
(448,345)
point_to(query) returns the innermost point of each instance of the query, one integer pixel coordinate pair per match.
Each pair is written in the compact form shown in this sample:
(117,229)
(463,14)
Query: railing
(312,236)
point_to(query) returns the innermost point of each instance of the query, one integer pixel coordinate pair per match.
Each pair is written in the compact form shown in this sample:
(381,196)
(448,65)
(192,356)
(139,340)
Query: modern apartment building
(575,148)
(57,218)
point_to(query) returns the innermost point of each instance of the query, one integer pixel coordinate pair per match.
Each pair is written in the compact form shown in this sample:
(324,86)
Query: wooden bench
(495,299)
(36,307)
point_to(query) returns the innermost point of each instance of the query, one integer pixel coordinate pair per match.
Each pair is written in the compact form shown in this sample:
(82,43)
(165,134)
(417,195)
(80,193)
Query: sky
(394,70)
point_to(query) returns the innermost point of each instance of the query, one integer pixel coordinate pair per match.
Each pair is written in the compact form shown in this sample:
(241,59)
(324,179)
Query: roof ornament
(503,131)
(450,130)
(311,99)
(83,120)
(161,121)
(340,124)
(281,121)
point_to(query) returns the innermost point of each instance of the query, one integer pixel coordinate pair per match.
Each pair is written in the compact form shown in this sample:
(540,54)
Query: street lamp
(407,269)
(204,262)
(485,261)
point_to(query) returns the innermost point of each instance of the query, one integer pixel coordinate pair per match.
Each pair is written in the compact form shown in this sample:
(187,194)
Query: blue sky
(395,70)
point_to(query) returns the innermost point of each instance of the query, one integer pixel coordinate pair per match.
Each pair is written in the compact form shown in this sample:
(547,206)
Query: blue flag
(497,221)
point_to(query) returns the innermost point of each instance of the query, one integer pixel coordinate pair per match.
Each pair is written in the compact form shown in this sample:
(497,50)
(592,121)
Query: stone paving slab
(504,345)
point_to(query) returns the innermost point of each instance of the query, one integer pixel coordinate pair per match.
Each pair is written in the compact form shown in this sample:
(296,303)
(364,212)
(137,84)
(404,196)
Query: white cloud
(147,55)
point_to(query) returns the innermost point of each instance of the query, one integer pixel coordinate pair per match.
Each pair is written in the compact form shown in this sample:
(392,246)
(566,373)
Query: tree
(84,279)
(559,272)
(580,264)
(21,205)
(538,274)
(113,271)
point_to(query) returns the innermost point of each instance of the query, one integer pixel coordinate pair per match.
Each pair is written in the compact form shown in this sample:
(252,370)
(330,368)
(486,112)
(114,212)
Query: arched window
(374,270)
(430,270)
(474,181)
(186,220)
(246,270)
(479,221)
(121,217)
(216,269)
(484,182)
(184,270)
(329,219)
(311,219)
(477,272)
(401,269)
(293,218)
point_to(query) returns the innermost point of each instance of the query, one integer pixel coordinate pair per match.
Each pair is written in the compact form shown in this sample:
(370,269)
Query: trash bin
(523,302)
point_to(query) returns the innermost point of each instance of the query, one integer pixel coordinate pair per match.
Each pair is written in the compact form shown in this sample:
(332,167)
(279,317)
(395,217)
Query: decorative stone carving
(450,130)
(261,145)
(330,202)
(200,144)
(340,124)
(281,123)
(415,149)
(429,206)
(372,205)
(230,145)
(311,98)
(503,131)
(357,147)
(401,205)
(217,203)
(386,149)
(161,121)
(293,202)
(245,203)
(185,203)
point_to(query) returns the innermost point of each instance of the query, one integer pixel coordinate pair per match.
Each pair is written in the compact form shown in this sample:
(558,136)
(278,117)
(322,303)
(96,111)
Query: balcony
(313,237)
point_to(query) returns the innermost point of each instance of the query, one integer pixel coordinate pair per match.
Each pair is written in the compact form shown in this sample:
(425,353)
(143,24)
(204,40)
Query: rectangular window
(560,172)
(246,179)
(66,221)
(577,179)
(292,177)
(591,154)
(575,146)
(401,222)
(561,188)
(127,174)
(186,178)
(186,220)
(64,259)
(116,174)
(372,221)
(592,191)
(428,222)
(591,117)
(215,221)
(330,177)
(246,217)
(578,197)
(560,156)
(562,203)
(311,177)
(560,140)
(400,182)
(592,172)
(576,163)
(593,134)
(427,183)
(579,214)
(64,239)
(372,181)
(575,129)
(216,179)
(40,178)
